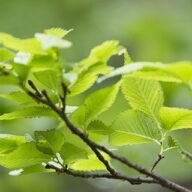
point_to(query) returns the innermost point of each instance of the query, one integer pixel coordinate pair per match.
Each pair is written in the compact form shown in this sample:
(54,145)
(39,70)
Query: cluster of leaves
(38,59)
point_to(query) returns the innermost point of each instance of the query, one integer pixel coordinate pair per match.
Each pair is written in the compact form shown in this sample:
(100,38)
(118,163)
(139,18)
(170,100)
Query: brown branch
(133,180)
(95,147)
(49,103)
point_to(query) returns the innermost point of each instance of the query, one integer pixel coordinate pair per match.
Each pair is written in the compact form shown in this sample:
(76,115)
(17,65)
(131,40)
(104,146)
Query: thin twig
(133,180)
(160,157)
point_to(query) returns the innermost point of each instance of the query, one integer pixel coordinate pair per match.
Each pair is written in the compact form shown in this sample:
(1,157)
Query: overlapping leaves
(37,59)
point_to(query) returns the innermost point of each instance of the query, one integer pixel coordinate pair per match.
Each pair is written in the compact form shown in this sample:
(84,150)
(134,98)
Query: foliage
(34,64)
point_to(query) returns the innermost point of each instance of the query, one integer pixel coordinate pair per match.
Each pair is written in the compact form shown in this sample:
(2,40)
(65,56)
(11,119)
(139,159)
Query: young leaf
(87,78)
(97,131)
(130,68)
(25,155)
(95,104)
(157,75)
(50,78)
(182,70)
(98,127)
(90,164)
(58,32)
(26,45)
(53,139)
(102,53)
(19,97)
(172,144)
(30,112)
(10,142)
(22,71)
(143,95)
(175,118)
(9,80)
(133,127)
(6,55)
(70,153)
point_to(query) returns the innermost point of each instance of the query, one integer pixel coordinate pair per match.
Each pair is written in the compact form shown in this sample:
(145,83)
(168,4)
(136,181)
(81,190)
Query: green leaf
(175,118)
(26,45)
(58,32)
(25,155)
(97,131)
(182,70)
(30,112)
(131,68)
(53,139)
(70,153)
(94,105)
(143,95)
(43,62)
(87,78)
(9,80)
(71,138)
(90,164)
(22,71)
(6,55)
(10,142)
(98,127)
(89,69)
(19,97)
(172,144)
(84,82)
(102,53)
(133,127)
(157,75)
(49,78)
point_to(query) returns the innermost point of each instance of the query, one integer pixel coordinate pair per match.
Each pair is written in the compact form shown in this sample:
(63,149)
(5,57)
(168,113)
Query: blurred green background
(152,30)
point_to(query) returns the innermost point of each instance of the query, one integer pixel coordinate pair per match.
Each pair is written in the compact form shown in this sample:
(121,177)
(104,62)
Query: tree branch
(96,147)
(133,180)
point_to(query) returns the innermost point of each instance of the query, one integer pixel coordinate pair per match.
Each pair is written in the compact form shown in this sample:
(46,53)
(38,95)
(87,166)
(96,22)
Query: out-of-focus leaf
(25,155)
(53,139)
(6,55)
(30,112)
(19,97)
(175,118)
(70,153)
(50,78)
(26,45)
(58,32)
(10,142)
(90,164)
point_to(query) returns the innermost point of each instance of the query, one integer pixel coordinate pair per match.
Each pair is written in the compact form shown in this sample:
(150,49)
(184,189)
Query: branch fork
(42,97)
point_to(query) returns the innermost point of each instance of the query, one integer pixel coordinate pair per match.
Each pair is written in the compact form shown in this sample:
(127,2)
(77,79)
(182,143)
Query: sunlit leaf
(53,139)
(143,95)
(175,118)
(25,155)
(133,127)
(30,112)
